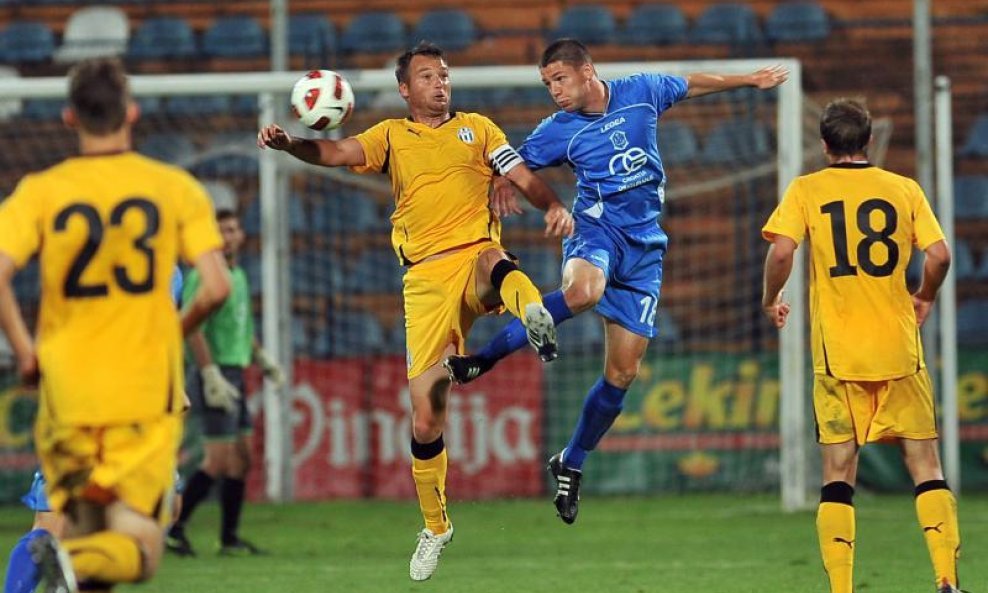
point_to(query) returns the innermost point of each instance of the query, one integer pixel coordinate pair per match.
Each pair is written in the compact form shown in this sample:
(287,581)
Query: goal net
(704,413)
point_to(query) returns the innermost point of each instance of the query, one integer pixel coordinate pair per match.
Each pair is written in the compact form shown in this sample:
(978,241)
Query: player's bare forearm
(11,320)
(699,83)
(536,191)
(324,152)
(778,266)
(935,269)
(200,349)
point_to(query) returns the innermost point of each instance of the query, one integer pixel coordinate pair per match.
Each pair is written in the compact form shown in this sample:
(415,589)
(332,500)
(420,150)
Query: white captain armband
(504,158)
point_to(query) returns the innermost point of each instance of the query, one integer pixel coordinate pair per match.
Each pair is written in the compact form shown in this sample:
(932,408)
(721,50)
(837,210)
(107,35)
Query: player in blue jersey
(23,574)
(606,133)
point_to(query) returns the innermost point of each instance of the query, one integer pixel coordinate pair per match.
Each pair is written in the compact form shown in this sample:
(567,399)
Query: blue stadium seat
(301,342)
(971,196)
(226,165)
(316,273)
(394,337)
(42,108)
(735,142)
(374,32)
(727,23)
(677,142)
(590,23)
(26,42)
(350,333)
(977,138)
(243,105)
(797,22)
(963,260)
(171,147)
(581,332)
(485,328)
(981,273)
(345,210)
(236,36)
(197,105)
(375,271)
(533,96)
(310,34)
(162,38)
(27,282)
(452,29)
(972,323)
(655,24)
(541,264)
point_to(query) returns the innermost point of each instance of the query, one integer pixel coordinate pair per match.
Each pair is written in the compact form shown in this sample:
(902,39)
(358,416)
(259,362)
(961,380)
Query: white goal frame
(272,88)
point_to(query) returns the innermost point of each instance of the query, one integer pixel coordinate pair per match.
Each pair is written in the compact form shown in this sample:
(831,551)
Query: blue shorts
(36,499)
(631,259)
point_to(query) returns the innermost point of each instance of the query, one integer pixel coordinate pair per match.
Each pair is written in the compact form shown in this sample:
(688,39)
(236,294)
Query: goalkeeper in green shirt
(221,350)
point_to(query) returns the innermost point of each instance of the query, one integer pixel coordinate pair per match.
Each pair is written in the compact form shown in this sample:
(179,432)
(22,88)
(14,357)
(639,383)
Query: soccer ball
(322,100)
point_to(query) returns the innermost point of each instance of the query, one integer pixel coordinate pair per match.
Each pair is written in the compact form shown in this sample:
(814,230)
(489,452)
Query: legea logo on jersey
(466,135)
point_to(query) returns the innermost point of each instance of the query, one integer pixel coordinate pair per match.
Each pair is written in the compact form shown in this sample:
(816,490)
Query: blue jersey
(619,175)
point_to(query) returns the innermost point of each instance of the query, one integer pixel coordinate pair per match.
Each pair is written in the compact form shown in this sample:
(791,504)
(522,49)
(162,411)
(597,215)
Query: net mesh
(703,413)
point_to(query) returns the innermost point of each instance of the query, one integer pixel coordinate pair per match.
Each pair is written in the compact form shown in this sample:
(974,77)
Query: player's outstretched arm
(558,220)
(214,287)
(328,153)
(778,266)
(699,84)
(13,326)
(934,271)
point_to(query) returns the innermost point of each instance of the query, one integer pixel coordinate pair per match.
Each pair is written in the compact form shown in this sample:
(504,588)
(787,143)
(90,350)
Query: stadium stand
(94,31)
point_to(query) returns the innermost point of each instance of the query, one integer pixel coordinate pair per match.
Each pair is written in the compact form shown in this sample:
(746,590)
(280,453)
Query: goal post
(714,379)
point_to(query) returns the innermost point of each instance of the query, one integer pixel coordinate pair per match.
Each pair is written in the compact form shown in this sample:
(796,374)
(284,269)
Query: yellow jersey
(108,230)
(440,178)
(862,222)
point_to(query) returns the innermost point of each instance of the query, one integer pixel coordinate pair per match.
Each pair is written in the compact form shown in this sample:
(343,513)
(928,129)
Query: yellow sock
(105,556)
(937,512)
(516,289)
(430,485)
(835,529)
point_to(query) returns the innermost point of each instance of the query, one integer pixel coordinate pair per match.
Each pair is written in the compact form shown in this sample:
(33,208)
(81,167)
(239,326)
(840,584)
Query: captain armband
(504,158)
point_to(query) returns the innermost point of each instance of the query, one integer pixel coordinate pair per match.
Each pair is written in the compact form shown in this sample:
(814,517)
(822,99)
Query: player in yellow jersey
(108,226)
(870,380)
(441,164)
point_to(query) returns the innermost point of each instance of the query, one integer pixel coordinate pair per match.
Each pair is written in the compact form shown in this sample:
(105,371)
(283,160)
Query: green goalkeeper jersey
(229,331)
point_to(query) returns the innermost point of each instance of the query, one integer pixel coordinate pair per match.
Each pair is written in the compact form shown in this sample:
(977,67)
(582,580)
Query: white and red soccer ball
(322,100)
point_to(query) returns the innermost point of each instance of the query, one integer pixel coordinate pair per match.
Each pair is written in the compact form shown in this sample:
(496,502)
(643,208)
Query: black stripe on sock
(839,492)
(427,450)
(500,271)
(931,485)
(94,585)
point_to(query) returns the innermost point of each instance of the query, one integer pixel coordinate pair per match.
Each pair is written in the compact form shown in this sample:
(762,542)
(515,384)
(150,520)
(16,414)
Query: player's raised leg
(519,296)
(583,286)
(936,509)
(601,407)
(430,393)
(835,522)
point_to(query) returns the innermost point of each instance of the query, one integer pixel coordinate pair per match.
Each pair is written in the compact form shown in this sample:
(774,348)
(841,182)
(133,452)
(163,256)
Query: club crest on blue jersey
(619,139)
(466,135)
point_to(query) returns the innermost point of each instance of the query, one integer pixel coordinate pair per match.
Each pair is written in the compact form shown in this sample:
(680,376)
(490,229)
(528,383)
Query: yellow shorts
(133,463)
(441,304)
(871,411)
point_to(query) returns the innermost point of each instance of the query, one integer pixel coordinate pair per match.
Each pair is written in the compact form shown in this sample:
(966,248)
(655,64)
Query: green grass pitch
(695,543)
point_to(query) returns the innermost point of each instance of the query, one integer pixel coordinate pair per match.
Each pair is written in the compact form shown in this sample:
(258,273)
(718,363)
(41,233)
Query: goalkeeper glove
(217,391)
(270,367)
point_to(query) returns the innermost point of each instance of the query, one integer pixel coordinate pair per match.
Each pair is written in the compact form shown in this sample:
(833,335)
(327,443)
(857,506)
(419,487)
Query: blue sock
(512,336)
(23,575)
(602,406)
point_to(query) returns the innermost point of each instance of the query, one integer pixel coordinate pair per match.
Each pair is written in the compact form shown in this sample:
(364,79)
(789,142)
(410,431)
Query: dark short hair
(566,50)
(845,127)
(226,214)
(424,48)
(98,93)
